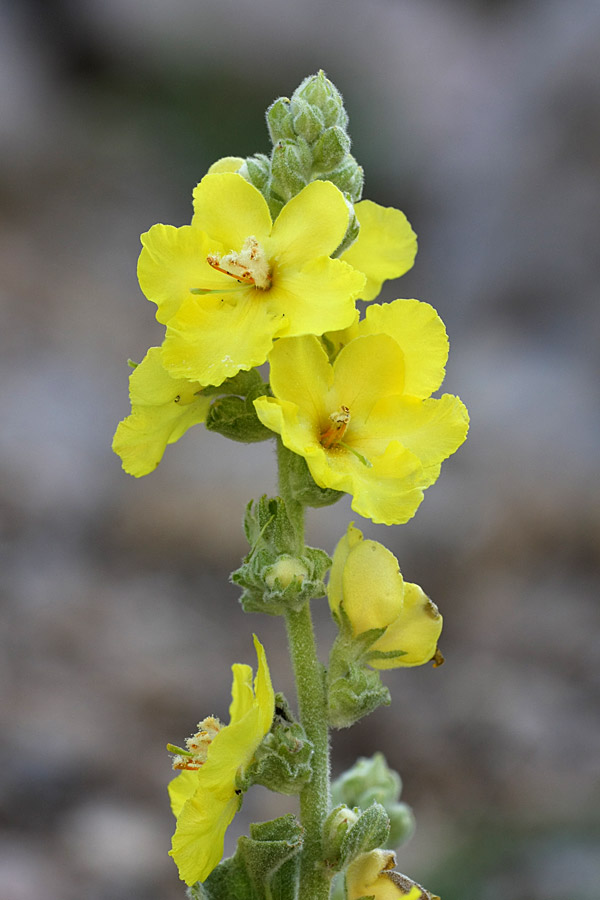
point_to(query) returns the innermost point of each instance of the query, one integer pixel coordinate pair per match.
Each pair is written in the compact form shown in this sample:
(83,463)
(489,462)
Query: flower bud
(282,761)
(308,121)
(257,170)
(236,419)
(373,875)
(289,173)
(279,120)
(370,830)
(367,589)
(319,91)
(330,150)
(284,571)
(335,828)
(348,177)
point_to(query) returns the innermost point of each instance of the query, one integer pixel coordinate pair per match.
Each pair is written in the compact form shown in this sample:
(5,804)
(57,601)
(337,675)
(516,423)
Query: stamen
(339,422)
(197,746)
(249,267)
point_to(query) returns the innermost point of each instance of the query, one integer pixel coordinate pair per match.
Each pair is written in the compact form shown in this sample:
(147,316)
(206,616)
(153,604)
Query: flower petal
(317,298)
(366,370)
(416,631)
(210,340)
(334,587)
(421,335)
(263,688)
(229,210)
(385,248)
(311,224)
(432,429)
(301,374)
(373,587)
(200,834)
(241,692)
(172,262)
(163,409)
(226,164)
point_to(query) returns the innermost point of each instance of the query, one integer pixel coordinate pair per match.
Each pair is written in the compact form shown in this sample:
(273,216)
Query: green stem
(315,798)
(312,703)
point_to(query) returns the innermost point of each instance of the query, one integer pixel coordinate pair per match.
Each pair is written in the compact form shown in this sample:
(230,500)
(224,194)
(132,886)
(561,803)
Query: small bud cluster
(310,142)
(282,762)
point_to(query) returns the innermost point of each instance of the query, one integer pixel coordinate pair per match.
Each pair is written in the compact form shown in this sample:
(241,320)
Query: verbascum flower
(385,248)
(372,875)
(205,795)
(231,282)
(365,423)
(162,410)
(366,583)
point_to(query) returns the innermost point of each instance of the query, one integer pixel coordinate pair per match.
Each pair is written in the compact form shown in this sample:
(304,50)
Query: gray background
(481,121)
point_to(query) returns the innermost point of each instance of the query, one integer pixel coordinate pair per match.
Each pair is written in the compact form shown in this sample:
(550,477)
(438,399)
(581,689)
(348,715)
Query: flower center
(197,746)
(249,266)
(334,433)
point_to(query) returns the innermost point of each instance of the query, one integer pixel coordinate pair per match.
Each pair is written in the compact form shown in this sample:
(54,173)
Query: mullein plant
(278,251)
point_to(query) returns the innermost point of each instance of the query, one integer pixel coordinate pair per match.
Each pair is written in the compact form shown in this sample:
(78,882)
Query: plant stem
(315,798)
(312,704)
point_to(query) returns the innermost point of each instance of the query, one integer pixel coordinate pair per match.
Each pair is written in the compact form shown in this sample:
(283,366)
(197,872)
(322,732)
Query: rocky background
(118,626)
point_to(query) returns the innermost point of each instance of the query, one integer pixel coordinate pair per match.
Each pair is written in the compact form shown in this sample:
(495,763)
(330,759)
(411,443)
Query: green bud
(369,831)
(330,150)
(372,781)
(319,91)
(308,121)
(348,177)
(402,824)
(235,418)
(369,780)
(289,173)
(280,120)
(335,828)
(273,576)
(282,761)
(257,170)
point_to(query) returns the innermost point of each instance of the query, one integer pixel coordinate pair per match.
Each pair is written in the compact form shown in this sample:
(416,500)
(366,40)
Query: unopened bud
(330,150)
(279,120)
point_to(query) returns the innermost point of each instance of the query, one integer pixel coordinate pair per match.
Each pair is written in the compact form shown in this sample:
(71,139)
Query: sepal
(354,691)
(372,781)
(264,866)
(303,487)
(370,830)
(288,165)
(336,826)
(282,761)
(273,576)
(280,121)
(331,149)
(233,415)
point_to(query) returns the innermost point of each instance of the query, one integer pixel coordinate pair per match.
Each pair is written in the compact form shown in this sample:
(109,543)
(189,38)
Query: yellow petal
(385,248)
(366,370)
(391,491)
(301,374)
(431,429)
(318,297)
(199,836)
(311,224)
(210,340)
(181,789)
(416,631)
(421,335)
(241,692)
(173,262)
(163,409)
(372,587)
(229,210)
(265,696)
(334,588)
(226,164)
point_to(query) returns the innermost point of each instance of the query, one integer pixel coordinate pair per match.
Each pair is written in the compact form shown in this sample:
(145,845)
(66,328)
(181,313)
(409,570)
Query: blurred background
(481,120)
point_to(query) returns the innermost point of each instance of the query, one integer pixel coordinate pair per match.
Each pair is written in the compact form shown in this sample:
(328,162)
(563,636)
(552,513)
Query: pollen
(249,266)
(197,746)
(334,433)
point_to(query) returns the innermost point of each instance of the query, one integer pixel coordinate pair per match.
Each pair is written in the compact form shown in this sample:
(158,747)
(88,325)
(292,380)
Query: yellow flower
(365,424)
(162,410)
(385,248)
(371,875)
(204,796)
(233,280)
(366,583)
